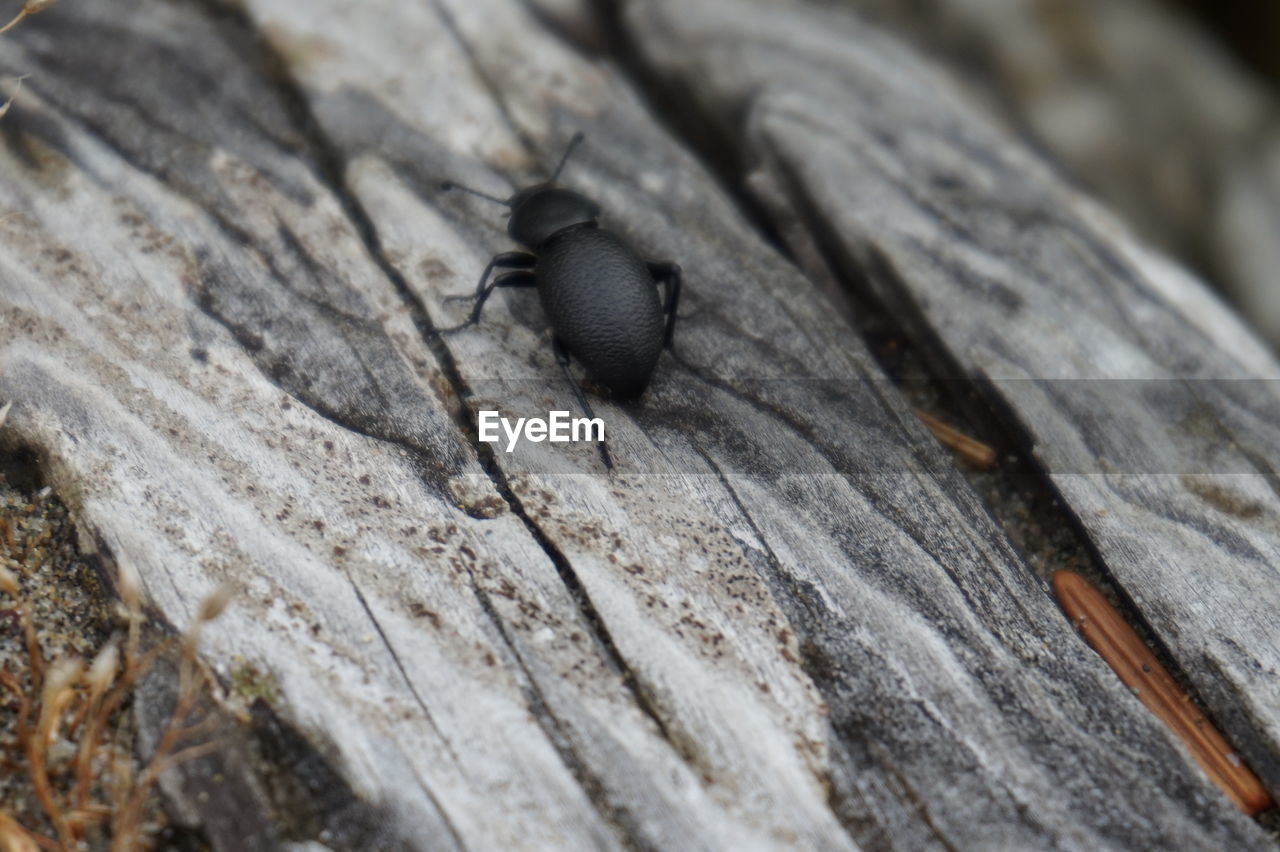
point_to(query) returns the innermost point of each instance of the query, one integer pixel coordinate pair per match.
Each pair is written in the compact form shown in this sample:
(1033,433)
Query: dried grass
(31,7)
(67,736)
(69,730)
(67,714)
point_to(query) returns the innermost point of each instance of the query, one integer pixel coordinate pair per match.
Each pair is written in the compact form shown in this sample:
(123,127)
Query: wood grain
(817,523)
(1148,403)
(1193,162)
(786,621)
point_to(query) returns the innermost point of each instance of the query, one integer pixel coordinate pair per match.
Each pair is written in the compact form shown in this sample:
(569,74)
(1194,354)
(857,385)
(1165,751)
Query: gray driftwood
(1132,100)
(1149,404)
(784,621)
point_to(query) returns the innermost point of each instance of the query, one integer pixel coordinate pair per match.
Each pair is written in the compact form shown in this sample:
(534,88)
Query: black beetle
(600,297)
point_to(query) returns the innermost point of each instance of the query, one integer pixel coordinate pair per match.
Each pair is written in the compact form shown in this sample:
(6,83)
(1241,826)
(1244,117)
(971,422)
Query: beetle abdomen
(603,303)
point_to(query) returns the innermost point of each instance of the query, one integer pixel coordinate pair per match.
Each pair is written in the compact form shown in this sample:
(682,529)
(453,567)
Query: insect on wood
(600,297)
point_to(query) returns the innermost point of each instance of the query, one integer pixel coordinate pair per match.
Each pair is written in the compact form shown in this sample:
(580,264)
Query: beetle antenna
(573,143)
(448,185)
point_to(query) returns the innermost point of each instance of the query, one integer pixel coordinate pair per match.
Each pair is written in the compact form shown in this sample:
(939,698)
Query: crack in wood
(627,830)
(1021,471)
(872,312)
(931,642)
(426,712)
(331,172)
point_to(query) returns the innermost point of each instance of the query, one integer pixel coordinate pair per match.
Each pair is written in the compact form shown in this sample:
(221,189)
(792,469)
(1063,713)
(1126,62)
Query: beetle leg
(516,278)
(562,358)
(669,275)
(505,260)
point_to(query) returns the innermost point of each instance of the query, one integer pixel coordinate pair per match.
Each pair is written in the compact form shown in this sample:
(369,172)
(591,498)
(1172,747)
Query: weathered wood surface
(1141,107)
(1151,407)
(785,620)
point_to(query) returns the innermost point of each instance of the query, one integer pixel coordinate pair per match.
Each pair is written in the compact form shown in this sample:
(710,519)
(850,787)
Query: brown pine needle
(970,449)
(1109,634)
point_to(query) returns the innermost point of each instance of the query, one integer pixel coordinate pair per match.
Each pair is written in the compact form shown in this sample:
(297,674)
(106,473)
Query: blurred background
(1168,110)
(1248,28)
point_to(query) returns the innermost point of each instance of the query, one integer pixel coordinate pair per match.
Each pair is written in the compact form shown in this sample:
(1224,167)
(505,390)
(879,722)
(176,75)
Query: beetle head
(541,211)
